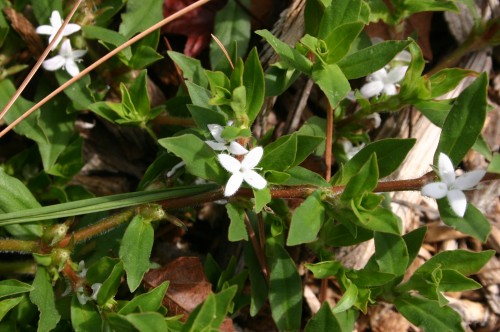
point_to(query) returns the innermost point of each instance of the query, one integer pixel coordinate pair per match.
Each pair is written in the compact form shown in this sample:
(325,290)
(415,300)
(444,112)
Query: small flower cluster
(385,80)
(451,186)
(67,57)
(241,170)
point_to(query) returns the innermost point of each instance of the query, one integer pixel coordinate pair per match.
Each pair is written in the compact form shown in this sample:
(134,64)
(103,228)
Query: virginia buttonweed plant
(67,285)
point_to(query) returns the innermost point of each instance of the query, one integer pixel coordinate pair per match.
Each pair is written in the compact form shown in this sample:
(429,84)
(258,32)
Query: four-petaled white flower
(243,171)
(66,59)
(55,23)
(220,144)
(452,186)
(383,81)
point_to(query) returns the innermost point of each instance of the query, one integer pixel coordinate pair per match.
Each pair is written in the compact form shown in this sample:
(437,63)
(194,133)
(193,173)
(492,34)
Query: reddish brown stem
(329,143)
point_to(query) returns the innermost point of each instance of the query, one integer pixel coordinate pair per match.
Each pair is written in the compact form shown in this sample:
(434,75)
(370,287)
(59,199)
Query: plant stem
(329,143)
(20,246)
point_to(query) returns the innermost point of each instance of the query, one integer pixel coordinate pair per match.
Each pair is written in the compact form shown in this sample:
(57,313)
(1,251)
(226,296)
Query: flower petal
(55,20)
(396,74)
(446,169)
(458,202)
(216,132)
(379,75)
(72,68)
(71,28)
(371,89)
(231,164)
(66,49)
(390,89)
(252,158)
(403,56)
(217,146)
(233,184)
(435,190)
(254,179)
(77,54)
(468,180)
(54,63)
(44,30)
(237,149)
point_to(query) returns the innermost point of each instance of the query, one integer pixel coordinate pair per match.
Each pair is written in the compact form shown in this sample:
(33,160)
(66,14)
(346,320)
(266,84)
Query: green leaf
(209,316)
(150,301)
(494,166)
(287,53)
(107,37)
(262,198)
(324,269)
(332,81)
(306,220)
(306,144)
(323,321)
(237,229)
(110,284)
(232,28)
(378,219)
(366,278)
(464,121)
(391,253)
(285,288)
(278,80)
(200,159)
(428,315)
(280,154)
(390,154)
(302,176)
(148,321)
(364,181)
(434,110)
(258,284)
(205,116)
(85,317)
(447,79)
(313,9)
(414,86)
(143,56)
(80,92)
(8,304)
(348,299)
(462,261)
(139,94)
(107,10)
(135,250)
(370,59)
(42,296)
(13,287)
(416,6)
(99,204)
(16,197)
(340,40)
(414,240)
(192,69)
(253,80)
(43,8)
(140,15)
(338,13)
(473,223)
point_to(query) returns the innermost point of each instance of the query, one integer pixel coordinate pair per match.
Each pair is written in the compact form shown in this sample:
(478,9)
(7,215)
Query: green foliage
(219,114)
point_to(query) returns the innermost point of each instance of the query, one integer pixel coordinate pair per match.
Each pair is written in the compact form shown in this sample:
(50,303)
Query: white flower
(451,186)
(55,23)
(95,290)
(351,150)
(66,59)
(383,81)
(220,144)
(243,171)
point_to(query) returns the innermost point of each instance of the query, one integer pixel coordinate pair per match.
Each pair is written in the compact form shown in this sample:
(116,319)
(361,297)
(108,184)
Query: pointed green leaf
(464,121)
(192,69)
(332,81)
(340,40)
(253,80)
(348,299)
(428,314)
(280,154)
(135,250)
(324,269)
(447,79)
(323,321)
(285,288)
(391,253)
(148,321)
(85,317)
(364,181)
(140,15)
(462,261)
(306,221)
(414,240)
(258,284)
(13,287)
(237,229)
(42,296)
(338,13)
(473,223)
(200,159)
(211,313)
(370,59)
(8,304)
